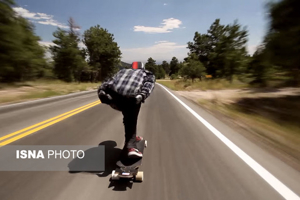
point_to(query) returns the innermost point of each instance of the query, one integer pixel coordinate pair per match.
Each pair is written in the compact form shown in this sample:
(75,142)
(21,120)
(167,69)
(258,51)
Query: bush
(174,76)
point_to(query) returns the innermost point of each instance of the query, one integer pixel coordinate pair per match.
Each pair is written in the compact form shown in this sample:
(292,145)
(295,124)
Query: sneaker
(139,138)
(134,153)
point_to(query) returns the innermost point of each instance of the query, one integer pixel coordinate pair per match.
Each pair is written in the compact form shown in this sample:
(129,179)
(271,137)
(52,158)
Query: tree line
(220,52)
(23,58)
(99,60)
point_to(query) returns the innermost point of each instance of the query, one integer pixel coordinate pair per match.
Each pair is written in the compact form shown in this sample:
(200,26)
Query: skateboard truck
(130,170)
(127,173)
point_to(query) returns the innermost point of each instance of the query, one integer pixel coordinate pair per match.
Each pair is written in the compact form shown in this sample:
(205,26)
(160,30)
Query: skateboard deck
(128,167)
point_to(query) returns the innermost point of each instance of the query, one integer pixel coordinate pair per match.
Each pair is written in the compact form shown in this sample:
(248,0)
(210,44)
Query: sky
(159,29)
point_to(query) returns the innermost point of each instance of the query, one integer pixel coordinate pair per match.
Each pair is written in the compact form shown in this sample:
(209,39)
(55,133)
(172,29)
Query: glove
(139,99)
(104,98)
(102,93)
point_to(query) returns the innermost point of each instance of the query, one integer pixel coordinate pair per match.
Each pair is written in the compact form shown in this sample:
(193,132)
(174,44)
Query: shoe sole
(134,155)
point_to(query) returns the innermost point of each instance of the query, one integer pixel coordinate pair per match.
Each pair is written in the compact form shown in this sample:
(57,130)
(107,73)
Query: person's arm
(104,88)
(148,85)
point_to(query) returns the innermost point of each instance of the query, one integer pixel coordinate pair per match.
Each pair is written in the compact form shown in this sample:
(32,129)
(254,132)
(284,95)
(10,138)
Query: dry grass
(268,116)
(284,131)
(282,136)
(18,92)
(201,85)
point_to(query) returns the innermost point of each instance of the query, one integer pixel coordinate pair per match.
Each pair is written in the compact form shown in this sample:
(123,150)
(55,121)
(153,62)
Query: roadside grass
(276,80)
(289,131)
(18,92)
(284,135)
(208,84)
(269,120)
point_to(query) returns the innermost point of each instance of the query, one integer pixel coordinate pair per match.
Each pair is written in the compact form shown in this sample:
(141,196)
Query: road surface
(185,159)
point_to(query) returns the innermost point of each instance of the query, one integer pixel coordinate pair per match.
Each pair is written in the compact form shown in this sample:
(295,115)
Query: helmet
(137,65)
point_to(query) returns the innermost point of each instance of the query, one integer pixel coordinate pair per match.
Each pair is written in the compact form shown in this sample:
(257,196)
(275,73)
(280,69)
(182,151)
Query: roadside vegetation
(25,71)
(256,93)
(210,84)
(272,123)
(31,90)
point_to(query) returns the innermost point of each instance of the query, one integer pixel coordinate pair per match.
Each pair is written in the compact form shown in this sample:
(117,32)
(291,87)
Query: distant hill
(124,65)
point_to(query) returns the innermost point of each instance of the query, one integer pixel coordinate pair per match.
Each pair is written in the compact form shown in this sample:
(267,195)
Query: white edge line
(282,189)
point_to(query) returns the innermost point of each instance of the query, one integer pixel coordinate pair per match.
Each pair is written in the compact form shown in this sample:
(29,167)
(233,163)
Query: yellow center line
(48,120)
(44,126)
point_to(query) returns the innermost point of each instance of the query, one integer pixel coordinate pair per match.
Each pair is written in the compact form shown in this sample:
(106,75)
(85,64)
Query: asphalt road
(184,158)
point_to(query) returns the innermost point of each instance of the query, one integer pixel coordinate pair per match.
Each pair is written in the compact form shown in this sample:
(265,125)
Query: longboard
(129,167)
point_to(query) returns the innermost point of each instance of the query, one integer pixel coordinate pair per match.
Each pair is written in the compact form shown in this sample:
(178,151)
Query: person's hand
(102,93)
(109,97)
(139,99)
(104,98)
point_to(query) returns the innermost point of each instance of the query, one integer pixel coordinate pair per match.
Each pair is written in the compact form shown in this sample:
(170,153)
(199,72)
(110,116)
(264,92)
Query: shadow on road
(112,155)
(93,163)
(121,185)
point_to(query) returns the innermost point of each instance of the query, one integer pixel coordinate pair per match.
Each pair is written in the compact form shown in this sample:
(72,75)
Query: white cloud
(252,49)
(81,45)
(164,41)
(25,13)
(165,4)
(48,55)
(47,44)
(52,23)
(168,24)
(162,50)
(40,18)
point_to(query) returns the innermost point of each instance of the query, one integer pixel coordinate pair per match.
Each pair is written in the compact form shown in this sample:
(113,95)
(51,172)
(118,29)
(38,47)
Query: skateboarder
(125,92)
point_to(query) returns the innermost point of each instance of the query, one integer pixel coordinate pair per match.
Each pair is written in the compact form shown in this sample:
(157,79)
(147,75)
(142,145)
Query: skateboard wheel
(139,177)
(145,143)
(114,175)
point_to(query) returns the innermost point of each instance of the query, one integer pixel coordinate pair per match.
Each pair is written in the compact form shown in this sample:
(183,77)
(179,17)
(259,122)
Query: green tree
(217,45)
(69,59)
(104,53)
(193,68)
(151,65)
(166,67)
(31,61)
(160,72)
(201,46)
(233,52)
(222,50)
(174,66)
(259,67)
(21,56)
(283,39)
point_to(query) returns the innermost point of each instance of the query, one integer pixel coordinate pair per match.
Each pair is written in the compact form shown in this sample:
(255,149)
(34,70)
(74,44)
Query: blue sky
(142,28)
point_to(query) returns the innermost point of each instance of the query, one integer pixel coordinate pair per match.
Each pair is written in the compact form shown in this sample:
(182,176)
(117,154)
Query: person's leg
(130,113)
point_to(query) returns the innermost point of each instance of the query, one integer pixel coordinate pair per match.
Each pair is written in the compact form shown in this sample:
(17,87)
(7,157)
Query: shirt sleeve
(148,85)
(110,81)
